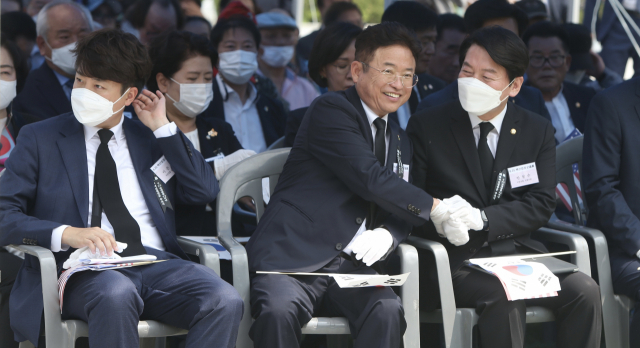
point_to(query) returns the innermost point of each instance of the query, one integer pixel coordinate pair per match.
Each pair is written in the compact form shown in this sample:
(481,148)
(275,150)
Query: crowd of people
(119,118)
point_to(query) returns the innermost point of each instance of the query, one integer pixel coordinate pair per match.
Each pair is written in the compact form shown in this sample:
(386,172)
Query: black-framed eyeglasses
(407,80)
(555,60)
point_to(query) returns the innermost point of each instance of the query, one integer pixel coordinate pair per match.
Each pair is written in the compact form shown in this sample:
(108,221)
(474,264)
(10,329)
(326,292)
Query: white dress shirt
(494,135)
(243,118)
(560,116)
(193,137)
(371,116)
(129,185)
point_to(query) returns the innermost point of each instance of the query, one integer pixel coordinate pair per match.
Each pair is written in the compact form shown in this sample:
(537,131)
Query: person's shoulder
(435,116)
(51,126)
(624,92)
(579,91)
(430,82)
(446,94)
(531,118)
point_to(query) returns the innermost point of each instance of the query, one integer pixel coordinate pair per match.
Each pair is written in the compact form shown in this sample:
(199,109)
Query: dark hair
(137,12)
(336,10)
(484,10)
(503,46)
(113,55)
(384,35)
(16,24)
(233,22)
(411,14)
(197,19)
(169,51)
(449,21)
(579,38)
(19,61)
(546,29)
(328,46)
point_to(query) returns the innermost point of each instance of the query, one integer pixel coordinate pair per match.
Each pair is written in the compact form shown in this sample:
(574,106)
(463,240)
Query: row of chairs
(245,179)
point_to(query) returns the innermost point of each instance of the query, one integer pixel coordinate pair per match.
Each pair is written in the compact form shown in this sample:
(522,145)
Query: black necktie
(380,146)
(109,197)
(484,153)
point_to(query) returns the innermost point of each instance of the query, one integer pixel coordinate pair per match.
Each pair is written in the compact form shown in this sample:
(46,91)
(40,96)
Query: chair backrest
(278,144)
(245,179)
(567,154)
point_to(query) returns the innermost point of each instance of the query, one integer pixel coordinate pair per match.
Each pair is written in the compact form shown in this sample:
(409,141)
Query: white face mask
(63,58)
(90,108)
(238,66)
(7,92)
(478,98)
(277,56)
(194,98)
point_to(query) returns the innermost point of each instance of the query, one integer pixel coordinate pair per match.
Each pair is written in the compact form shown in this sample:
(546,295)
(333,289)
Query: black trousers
(501,323)
(627,282)
(282,304)
(9,267)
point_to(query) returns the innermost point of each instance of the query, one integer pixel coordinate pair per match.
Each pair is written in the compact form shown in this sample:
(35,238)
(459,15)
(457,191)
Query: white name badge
(405,174)
(211,159)
(163,170)
(523,175)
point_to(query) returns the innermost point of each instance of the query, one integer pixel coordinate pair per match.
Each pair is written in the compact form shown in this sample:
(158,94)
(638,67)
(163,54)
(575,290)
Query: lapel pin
(398,136)
(513,101)
(430,86)
(513,131)
(577,104)
(212,133)
(266,108)
(425,87)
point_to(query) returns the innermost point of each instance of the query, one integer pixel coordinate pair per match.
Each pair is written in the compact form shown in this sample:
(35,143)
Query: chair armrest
(410,293)
(573,241)
(447,299)
(207,254)
(50,297)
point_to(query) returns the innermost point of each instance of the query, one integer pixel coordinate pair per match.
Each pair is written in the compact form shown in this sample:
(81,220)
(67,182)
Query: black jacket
(427,85)
(42,95)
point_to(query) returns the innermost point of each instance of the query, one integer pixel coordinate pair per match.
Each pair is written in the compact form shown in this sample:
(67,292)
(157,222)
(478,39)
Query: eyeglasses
(342,69)
(407,80)
(555,61)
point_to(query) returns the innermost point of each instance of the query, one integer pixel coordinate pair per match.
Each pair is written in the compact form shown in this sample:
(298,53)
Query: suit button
(24,241)
(359,221)
(418,211)
(410,207)
(339,246)
(511,235)
(473,250)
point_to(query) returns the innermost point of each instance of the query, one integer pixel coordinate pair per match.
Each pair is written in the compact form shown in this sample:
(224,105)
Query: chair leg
(26,344)
(148,342)
(338,341)
(466,319)
(161,342)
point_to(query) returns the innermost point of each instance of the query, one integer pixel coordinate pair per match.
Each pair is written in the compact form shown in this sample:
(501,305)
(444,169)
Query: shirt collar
(371,116)
(91,132)
(496,121)
(226,90)
(61,79)
(559,96)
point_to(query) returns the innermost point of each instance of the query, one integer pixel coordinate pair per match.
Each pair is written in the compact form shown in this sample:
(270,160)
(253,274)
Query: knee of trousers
(117,299)
(277,311)
(585,290)
(496,300)
(217,295)
(388,311)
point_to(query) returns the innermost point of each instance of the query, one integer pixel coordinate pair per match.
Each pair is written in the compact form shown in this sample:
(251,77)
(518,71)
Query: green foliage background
(371,10)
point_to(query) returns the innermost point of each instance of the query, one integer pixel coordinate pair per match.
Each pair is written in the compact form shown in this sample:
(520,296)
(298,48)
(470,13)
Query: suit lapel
(352,96)
(73,150)
(394,138)
(50,87)
(463,133)
(507,141)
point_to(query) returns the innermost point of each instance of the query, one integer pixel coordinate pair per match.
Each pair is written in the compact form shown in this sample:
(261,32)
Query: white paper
(405,174)
(523,175)
(163,170)
(369,280)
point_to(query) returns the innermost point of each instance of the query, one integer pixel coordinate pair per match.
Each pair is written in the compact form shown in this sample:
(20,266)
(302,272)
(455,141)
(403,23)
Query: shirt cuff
(638,254)
(166,131)
(56,239)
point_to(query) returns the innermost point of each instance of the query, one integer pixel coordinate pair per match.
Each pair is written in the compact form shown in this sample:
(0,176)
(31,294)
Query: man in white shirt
(88,179)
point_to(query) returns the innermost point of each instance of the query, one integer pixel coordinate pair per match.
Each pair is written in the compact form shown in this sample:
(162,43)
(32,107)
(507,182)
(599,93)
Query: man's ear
(131,96)
(163,82)
(356,70)
(42,46)
(516,86)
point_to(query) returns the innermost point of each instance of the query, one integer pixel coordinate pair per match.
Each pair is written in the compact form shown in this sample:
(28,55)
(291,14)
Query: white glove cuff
(218,167)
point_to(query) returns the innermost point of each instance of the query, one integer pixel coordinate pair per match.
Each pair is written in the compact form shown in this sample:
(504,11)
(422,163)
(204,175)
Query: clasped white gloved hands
(372,245)
(454,217)
(442,212)
(221,165)
(85,253)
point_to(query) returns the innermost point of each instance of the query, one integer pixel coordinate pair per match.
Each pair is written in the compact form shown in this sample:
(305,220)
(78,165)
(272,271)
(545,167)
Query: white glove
(457,232)
(463,212)
(223,164)
(372,245)
(442,212)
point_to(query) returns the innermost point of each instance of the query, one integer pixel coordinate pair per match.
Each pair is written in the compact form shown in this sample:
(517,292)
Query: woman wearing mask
(258,120)
(183,72)
(329,66)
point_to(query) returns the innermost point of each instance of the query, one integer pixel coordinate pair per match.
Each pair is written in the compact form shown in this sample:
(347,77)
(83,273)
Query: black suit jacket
(273,116)
(293,124)
(427,85)
(326,187)
(578,99)
(611,170)
(529,98)
(42,95)
(446,163)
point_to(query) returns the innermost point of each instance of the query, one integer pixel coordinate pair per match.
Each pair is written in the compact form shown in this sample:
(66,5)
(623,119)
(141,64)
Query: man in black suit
(47,92)
(610,175)
(460,149)
(360,209)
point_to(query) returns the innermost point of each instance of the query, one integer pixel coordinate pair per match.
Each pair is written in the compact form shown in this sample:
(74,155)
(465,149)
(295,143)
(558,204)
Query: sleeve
(609,78)
(56,239)
(166,131)
(233,143)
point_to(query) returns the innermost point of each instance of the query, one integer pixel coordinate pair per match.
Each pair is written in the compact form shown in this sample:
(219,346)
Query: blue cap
(275,20)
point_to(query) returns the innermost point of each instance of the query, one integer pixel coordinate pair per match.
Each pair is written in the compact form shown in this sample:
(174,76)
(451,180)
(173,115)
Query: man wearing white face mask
(47,92)
(480,147)
(279,37)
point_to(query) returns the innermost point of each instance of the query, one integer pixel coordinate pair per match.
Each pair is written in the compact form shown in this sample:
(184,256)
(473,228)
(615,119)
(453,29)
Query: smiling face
(374,90)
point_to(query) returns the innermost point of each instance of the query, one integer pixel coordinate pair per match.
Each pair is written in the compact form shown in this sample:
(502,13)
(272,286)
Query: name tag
(211,159)
(163,170)
(523,175)
(405,174)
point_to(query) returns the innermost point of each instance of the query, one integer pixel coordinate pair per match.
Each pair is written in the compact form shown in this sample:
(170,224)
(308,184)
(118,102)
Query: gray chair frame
(63,333)
(245,179)
(615,308)
(278,144)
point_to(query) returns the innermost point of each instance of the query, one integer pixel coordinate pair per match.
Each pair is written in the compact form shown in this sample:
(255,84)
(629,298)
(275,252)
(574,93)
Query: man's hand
(457,232)
(442,212)
(464,213)
(93,237)
(372,245)
(151,109)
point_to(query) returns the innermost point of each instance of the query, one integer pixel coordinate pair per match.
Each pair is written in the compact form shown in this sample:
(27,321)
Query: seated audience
(535,10)
(460,149)
(107,13)
(197,25)
(60,25)
(587,67)
(257,120)
(67,177)
(21,29)
(329,67)
(148,19)
(183,72)
(445,63)
(422,21)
